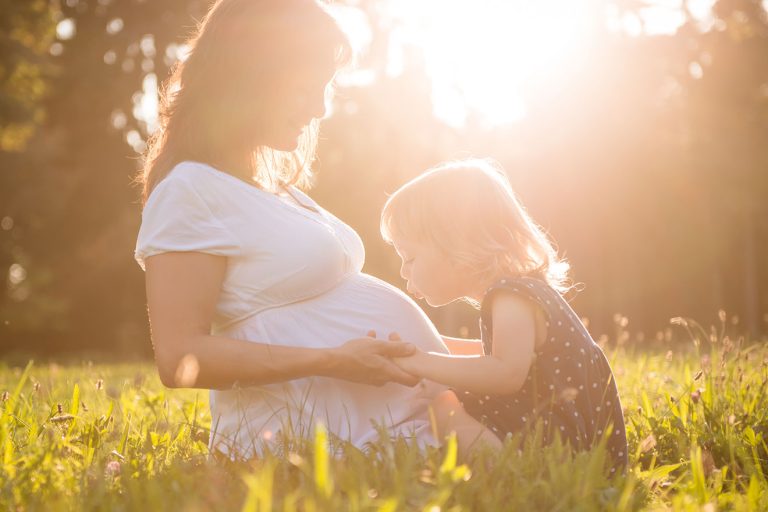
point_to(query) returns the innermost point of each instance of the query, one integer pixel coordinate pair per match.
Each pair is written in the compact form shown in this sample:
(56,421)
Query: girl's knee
(446,399)
(446,405)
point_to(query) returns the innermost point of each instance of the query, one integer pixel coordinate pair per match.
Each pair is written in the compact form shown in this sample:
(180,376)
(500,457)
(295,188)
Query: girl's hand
(411,363)
(367,361)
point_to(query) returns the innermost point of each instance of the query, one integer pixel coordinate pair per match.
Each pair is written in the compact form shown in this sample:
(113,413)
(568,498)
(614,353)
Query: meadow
(91,436)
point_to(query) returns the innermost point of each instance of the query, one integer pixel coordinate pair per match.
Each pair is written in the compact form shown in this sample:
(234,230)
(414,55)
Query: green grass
(110,437)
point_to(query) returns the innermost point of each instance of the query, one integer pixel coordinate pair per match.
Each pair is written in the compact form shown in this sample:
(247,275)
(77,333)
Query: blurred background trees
(646,158)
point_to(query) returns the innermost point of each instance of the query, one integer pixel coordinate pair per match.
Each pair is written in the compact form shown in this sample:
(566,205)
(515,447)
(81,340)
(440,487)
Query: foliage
(645,160)
(26,32)
(110,437)
(70,212)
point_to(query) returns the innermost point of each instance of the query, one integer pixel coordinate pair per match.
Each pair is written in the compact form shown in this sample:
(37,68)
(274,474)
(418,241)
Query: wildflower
(61,418)
(648,443)
(678,320)
(112,469)
(695,395)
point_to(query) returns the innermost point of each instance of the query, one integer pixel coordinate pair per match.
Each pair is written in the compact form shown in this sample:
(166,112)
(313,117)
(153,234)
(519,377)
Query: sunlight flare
(479,55)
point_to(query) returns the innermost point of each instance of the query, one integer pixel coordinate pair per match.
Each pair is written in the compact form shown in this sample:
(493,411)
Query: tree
(26,32)
(646,161)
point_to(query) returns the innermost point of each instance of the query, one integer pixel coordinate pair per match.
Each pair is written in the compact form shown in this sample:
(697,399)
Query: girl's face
(430,274)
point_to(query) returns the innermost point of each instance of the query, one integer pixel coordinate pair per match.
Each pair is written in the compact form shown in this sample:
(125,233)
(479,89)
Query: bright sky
(479,54)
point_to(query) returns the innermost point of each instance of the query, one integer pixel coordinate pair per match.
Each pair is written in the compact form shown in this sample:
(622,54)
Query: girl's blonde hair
(213,103)
(468,210)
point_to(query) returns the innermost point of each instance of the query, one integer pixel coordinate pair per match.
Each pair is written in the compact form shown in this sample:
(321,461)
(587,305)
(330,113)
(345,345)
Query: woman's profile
(252,287)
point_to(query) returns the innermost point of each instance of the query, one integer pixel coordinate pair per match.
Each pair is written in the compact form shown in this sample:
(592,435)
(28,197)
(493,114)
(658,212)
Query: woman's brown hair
(210,105)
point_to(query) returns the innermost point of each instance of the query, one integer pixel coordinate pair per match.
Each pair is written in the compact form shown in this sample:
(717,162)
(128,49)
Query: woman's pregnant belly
(243,418)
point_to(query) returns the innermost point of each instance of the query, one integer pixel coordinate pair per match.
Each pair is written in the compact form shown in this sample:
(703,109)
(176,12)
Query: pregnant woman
(252,287)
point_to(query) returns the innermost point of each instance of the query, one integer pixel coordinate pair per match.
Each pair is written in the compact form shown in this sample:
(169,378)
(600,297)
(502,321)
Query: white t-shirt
(293,278)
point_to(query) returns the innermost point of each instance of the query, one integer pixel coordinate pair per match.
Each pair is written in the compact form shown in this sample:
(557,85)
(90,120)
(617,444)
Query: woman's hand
(182,289)
(368,361)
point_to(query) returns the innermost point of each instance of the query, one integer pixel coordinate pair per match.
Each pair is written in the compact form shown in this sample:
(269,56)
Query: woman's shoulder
(199,174)
(190,182)
(183,214)
(184,175)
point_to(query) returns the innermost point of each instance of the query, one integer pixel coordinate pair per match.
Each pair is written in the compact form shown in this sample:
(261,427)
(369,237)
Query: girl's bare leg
(450,416)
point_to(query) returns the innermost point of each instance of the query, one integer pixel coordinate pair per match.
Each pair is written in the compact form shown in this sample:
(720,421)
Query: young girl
(461,233)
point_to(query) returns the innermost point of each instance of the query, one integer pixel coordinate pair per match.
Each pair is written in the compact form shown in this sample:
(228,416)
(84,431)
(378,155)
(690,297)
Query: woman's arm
(182,289)
(463,346)
(504,371)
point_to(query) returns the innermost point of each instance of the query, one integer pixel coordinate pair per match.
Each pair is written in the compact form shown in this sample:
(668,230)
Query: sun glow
(482,54)
(485,58)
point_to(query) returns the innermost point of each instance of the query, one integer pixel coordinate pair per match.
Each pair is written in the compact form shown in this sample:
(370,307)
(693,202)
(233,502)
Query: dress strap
(530,288)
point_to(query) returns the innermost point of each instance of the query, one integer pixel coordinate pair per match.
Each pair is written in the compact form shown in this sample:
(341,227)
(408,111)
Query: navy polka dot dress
(570,386)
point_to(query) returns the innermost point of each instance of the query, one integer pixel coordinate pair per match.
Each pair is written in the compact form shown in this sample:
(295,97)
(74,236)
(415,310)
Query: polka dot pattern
(570,385)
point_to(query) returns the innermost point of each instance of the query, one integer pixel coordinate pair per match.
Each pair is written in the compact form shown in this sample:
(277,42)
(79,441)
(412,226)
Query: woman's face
(298,99)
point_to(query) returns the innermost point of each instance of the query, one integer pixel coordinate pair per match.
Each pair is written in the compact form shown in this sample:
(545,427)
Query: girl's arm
(463,346)
(502,372)
(182,290)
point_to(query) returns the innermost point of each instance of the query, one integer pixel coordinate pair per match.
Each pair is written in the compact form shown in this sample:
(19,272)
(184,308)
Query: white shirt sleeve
(177,218)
